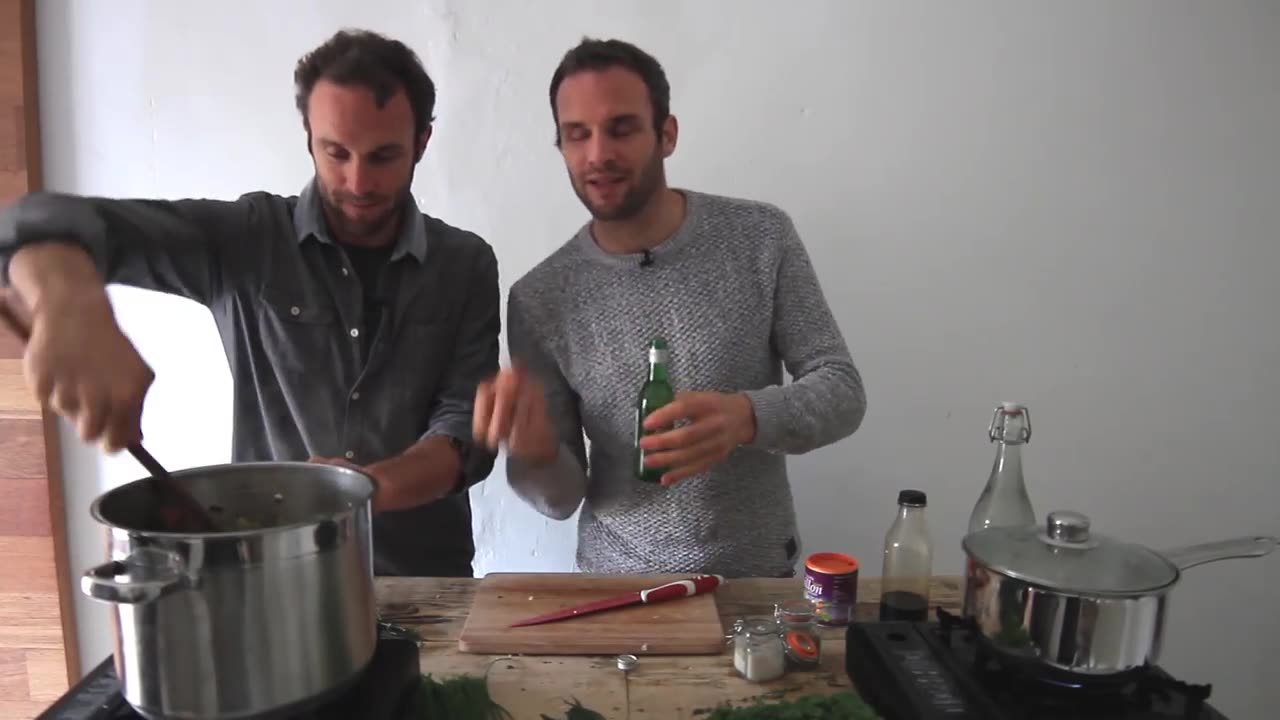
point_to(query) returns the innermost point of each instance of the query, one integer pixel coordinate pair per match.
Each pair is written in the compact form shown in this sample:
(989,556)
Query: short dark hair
(593,54)
(367,59)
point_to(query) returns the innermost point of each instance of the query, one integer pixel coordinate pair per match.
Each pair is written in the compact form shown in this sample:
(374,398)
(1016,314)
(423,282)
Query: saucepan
(261,607)
(1075,606)
(271,615)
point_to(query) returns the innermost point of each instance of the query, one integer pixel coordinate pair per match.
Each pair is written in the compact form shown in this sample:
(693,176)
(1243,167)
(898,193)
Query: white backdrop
(1071,205)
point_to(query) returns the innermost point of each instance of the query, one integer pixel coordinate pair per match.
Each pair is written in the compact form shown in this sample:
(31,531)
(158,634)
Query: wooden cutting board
(686,626)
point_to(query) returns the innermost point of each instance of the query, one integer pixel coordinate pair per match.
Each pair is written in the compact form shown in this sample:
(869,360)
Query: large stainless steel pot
(255,622)
(1075,606)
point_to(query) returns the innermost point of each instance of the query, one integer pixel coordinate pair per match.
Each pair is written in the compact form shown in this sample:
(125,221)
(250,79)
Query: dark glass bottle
(908,562)
(654,393)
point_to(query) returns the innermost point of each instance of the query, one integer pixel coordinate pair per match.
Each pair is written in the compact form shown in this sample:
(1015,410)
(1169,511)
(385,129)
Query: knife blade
(668,591)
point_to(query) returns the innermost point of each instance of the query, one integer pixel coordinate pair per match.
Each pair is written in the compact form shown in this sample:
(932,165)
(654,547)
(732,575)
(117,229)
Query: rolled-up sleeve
(182,247)
(474,358)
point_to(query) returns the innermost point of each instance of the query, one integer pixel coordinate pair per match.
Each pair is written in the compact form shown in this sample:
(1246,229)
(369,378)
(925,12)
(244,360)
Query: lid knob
(1068,526)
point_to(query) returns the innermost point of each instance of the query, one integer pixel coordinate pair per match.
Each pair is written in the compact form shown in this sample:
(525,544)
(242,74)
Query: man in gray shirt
(728,283)
(356,326)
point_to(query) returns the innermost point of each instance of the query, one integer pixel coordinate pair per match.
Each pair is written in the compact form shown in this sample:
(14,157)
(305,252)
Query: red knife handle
(681,588)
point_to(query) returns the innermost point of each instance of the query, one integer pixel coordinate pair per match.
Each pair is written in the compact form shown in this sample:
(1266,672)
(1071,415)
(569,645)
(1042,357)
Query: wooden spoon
(177,509)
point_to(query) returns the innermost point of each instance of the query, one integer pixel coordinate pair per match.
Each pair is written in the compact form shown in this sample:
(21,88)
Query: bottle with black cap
(908,562)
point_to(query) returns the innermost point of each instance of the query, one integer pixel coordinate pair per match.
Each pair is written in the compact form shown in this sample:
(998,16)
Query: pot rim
(1064,553)
(1076,592)
(95,507)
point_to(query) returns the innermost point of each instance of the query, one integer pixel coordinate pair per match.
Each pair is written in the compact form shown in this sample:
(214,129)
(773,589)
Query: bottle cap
(912,498)
(1012,407)
(658,344)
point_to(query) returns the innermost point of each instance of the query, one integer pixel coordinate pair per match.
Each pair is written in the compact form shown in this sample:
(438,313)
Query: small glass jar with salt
(758,654)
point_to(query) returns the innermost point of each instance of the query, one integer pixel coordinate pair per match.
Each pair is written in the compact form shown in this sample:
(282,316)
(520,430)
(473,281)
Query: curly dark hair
(593,54)
(367,59)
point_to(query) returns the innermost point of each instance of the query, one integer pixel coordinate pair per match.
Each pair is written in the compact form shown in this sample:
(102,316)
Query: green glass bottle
(654,393)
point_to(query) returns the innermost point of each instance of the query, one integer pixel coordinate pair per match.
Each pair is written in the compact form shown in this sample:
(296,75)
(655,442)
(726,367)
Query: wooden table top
(667,687)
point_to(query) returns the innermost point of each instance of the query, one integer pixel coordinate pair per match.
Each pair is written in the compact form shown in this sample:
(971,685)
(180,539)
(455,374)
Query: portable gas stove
(382,692)
(937,670)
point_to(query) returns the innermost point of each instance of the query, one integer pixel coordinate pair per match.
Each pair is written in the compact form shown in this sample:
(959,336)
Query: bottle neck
(910,519)
(658,365)
(1007,469)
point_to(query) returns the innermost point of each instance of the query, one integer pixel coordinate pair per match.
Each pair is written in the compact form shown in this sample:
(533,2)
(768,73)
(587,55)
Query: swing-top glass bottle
(1004,501)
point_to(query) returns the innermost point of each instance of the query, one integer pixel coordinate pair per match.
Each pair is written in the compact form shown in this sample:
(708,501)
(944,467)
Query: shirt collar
(308,221)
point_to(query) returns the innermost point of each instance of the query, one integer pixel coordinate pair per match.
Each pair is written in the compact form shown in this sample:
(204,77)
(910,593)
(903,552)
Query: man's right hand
(511,409)
(77,360)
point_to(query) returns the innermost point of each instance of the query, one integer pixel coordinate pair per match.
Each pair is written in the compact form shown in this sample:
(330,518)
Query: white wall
(1073,205)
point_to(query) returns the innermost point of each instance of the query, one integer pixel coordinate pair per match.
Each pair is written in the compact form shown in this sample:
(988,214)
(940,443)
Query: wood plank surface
(38,658)
(671,687)
(688,626)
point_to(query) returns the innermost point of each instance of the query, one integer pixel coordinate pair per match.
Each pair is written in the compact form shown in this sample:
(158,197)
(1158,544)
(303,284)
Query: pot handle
(145,575)
(1247,547)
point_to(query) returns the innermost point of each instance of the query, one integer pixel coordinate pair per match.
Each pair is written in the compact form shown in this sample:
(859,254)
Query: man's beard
(358,231)
(633,200)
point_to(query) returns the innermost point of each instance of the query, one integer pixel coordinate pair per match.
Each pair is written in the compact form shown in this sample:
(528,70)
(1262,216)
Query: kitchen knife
(670,591)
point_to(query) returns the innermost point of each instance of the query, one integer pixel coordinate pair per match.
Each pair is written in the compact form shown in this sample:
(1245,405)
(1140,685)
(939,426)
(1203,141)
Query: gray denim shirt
(287,304)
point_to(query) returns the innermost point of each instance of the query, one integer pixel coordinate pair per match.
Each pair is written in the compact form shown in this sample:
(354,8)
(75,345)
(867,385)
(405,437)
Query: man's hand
(343,462)
(424,473)
(716,424)
(340,462)
(511,409)
(78,362)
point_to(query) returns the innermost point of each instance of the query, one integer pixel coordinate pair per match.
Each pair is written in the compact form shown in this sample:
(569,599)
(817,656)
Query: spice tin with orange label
(831,584)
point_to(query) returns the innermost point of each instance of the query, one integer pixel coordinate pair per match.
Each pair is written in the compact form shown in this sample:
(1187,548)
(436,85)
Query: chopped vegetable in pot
(252,521)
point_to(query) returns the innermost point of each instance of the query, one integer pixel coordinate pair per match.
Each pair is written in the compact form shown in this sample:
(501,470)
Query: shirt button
(295,310)
(349,454)
(355,332)
(344,272)
(355,395)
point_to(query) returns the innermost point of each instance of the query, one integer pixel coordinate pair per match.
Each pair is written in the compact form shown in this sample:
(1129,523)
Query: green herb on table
(836,706)
(576,711)
(463,697)
(466,697)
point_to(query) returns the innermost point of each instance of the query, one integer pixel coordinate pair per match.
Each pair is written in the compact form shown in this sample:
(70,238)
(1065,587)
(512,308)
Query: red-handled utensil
(670,591)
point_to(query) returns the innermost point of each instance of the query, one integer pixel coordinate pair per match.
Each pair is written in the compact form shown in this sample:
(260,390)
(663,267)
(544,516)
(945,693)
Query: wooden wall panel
(38,651)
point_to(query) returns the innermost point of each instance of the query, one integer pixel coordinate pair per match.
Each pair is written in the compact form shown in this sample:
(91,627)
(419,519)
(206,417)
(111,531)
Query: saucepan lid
(1065,555)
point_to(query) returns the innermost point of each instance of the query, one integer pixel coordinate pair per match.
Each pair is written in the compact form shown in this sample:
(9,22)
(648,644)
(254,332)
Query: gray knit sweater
(735,296)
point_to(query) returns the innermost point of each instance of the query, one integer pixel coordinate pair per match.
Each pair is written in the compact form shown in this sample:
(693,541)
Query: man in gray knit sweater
(729,285)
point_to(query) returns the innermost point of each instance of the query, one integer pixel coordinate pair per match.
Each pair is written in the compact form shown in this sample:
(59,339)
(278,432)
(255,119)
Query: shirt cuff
(462,446)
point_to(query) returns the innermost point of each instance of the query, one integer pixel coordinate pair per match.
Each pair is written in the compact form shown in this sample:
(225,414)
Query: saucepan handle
(145,575)
(1247,547)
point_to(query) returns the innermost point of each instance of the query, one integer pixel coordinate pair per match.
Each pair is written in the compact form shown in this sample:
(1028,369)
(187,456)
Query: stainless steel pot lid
(1066,556)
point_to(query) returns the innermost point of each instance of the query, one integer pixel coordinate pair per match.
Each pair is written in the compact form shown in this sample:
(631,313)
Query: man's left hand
(716,424)
(424,473)
(340,462)
(367,470)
